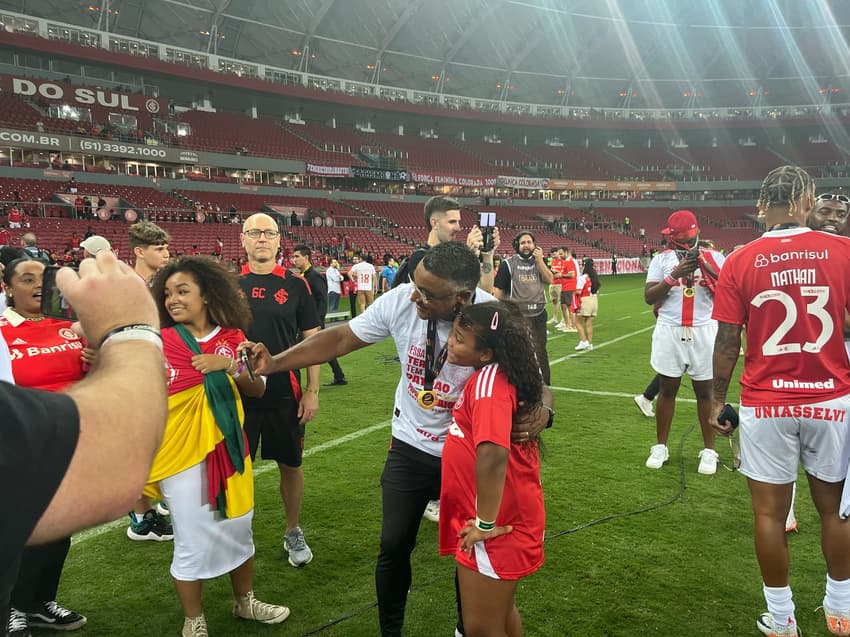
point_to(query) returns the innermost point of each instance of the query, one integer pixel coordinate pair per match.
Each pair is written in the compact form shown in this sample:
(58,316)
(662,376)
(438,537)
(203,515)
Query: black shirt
(319,288)
(283,307)
(37,440)
(408,267)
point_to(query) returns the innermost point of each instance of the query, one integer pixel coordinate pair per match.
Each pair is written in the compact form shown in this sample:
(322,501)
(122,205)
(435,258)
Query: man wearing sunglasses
(283,310)
(418,316)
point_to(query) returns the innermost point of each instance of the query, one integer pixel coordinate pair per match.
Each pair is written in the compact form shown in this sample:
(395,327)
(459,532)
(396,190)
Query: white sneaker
(552,321)
(658,455)
(769,626)
(708,462)
(645,405)
(560,326)
(582,345)
(432,511)
(588,347)
(249,607)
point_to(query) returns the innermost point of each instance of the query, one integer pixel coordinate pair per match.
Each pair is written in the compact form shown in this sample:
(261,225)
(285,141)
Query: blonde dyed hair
(787,186)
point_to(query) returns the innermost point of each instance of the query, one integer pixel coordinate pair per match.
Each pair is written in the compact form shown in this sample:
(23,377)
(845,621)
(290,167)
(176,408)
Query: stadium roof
(639,53)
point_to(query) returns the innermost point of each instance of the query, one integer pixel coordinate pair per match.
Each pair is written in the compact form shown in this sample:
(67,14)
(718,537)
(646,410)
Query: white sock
(837,594)
(780,604)
(138,517)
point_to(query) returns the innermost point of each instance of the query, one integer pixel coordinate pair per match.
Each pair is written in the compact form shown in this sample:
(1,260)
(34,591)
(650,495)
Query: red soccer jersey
(181,374)
(790,288)
(484,413)
(45,354)
(558,268)
(569,284)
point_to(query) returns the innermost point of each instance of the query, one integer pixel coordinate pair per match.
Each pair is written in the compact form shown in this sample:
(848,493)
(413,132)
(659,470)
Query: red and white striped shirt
(679,308)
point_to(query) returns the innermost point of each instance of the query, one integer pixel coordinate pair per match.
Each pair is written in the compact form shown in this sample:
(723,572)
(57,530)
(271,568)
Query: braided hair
(785,186)
(510,340)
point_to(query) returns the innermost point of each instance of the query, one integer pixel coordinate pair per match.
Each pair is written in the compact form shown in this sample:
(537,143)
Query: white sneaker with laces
(582,345)
(707,462)
(194,627)
(249,607)
(432,511)
(645,405)
(658,455)
(770,627)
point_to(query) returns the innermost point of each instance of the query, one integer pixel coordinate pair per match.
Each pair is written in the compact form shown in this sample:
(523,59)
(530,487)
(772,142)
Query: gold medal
(688,292)
(427,398)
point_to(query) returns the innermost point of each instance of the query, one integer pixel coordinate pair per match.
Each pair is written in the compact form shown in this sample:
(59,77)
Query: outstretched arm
(316,349)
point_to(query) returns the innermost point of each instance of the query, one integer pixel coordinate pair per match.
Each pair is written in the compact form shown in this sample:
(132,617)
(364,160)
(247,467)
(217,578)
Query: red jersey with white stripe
(790,288)
(680,307)
(484,413)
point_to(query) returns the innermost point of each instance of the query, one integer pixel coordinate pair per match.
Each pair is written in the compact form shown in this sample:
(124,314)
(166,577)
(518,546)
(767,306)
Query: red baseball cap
(681,225)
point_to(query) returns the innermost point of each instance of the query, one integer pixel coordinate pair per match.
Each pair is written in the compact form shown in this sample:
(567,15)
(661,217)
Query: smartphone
(246,361)
(487,221)
(53,302)
(728,413)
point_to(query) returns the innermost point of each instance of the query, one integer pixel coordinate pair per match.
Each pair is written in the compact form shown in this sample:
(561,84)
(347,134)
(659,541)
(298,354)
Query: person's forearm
(487,273)
(313,377)
(656,292)
(545,273)
(491,463)
(123,409)
(318,348)
(727,346)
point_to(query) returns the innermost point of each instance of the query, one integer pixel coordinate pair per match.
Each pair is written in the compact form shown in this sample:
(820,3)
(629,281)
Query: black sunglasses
(842,198)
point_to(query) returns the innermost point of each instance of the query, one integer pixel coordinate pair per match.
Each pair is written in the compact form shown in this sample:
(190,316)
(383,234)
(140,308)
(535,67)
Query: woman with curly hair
(203,468)
(492,517)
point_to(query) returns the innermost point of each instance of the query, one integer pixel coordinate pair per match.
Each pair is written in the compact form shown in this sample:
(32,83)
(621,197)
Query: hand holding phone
(53,302)
(487,222)
(246,361)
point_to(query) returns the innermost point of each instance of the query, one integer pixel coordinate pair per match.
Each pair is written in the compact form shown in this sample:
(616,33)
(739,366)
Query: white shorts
(206,544)
(671,356)
(775,439)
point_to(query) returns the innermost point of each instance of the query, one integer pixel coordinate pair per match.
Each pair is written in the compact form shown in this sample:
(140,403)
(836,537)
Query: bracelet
(236,373)
(312,391)
(135,332)
(481,525)
(669,280)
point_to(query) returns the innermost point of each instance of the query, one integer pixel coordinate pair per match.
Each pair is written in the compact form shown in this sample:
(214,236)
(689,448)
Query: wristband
(669,280)
(481,525)
(312,391)
(135,332)
(551,416)
(236,373)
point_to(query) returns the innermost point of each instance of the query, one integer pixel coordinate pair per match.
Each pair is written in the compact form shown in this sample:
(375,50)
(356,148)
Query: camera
(728,413)
(487,221)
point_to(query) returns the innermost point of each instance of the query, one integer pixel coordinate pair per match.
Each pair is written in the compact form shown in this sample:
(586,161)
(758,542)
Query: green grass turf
(687,568)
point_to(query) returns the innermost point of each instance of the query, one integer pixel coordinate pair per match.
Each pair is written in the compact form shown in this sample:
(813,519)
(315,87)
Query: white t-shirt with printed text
(394,314)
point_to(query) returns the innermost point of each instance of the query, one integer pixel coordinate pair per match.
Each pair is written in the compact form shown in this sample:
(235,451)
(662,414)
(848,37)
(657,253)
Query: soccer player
(791,288)
(679,283)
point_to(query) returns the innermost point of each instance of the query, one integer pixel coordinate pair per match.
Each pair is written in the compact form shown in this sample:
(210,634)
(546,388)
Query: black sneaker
(17,626)
(336,381)
(52,615)
(152,527)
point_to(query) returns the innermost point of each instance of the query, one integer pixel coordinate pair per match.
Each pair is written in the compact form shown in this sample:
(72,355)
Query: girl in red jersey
(491,514)
(203,467)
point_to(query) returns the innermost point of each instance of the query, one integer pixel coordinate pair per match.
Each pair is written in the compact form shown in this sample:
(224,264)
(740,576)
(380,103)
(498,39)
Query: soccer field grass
(629,551)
